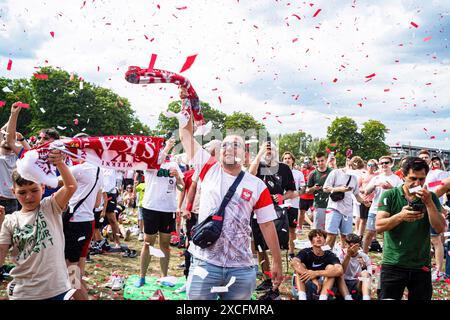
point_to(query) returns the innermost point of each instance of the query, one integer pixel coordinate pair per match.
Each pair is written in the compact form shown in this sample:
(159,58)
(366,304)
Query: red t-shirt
(307,196)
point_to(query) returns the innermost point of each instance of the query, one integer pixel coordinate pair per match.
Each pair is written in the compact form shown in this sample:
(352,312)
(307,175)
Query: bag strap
(72,212)
(228,196)
(349,179)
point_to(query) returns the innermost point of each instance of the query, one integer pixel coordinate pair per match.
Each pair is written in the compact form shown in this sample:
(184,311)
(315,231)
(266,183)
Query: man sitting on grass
(315,269)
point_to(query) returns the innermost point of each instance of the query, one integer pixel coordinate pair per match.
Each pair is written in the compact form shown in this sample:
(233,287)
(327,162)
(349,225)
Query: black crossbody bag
(208,231)
(68,214)
(338,196)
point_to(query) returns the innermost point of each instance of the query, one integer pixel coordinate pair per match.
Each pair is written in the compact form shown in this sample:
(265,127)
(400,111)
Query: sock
(366,297)
(323,297)
(301,295)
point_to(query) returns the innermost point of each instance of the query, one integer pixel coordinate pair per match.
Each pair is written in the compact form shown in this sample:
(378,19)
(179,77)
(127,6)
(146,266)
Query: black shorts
(155,221)
(363,211)
(112,202)
(354,288)
(97,223)
(292,216)
(77,240)
(305,204)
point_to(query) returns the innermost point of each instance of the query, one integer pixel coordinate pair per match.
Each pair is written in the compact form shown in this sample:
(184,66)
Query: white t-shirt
(393,179)
(354,268)
(434,176)
(109,180)
(160,192)
(129,174)
(338,178)
(299,180)
(7,166)
(37,241)
(85,174)
(232,249)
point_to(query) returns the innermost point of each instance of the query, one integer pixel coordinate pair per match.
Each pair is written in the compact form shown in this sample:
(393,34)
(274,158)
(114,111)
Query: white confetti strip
(224,289)
(6,89)
(199,271)
(42,110)
(415,189)
(325,248)
(156,252)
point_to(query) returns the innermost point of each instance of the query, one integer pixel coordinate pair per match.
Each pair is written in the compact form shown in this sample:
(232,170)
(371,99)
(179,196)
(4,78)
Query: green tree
(317,145)
(168,125)
(344,132)
(373,135)
(293,142)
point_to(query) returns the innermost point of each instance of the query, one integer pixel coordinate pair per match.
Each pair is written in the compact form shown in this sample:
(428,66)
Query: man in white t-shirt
(109,186)
(226,268)
(159,210)
(79,229)
(339,214)
(384,181)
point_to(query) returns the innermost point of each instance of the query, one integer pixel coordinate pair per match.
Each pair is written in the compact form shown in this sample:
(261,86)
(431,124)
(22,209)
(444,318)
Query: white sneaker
(117,283)
(438,276)
(181,289)
(111,281)
(141,236)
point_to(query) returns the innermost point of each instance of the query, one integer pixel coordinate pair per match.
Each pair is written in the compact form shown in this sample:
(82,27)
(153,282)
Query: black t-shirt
(278,179)
(313,262)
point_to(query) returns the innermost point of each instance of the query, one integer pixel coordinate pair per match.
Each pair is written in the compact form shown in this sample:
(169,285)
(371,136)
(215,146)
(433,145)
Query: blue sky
(248,55)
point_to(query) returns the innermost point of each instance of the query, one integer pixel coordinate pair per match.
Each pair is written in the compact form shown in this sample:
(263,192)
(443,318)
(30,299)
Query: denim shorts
(335,222)
(198,288)
(371,220)
(319,219)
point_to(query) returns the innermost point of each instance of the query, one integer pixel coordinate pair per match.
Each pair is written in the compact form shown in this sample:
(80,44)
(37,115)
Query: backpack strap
(220,214)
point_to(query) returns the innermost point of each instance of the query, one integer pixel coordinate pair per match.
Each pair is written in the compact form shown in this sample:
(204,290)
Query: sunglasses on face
(234,145)
(385,162)
(371,165)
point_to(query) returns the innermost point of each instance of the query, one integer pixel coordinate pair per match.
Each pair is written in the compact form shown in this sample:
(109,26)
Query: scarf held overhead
(110,152)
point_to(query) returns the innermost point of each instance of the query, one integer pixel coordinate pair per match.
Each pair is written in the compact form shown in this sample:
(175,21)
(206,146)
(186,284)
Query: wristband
(280,199)
(189,206)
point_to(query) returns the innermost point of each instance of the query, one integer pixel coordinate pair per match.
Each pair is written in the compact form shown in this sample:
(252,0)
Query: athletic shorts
(158,221)
(97,223)
(353,288)
(112,202)
(319,219)
(336,222)
(363,211)
(305,204)
(77,240)
(292,217)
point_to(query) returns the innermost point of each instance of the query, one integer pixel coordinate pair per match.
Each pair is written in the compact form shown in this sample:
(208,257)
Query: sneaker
(110,282)
(141,236)
(139,283)
(271,295)
(117,283)
(437,276)
(181,289)
(265,285)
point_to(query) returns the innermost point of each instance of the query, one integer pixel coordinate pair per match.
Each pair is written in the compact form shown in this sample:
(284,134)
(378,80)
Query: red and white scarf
(111,152)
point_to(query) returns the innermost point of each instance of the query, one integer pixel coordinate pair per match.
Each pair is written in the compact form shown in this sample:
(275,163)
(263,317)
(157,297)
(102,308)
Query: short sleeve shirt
(338,178)
(319,178)
(313,262)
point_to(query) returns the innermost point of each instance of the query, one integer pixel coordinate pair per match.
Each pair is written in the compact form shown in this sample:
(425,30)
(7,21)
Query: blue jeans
(200,289)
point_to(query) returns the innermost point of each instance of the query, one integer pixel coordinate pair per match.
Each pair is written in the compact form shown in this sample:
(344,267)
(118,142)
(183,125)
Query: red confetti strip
(331,293)
(335,80)
(387,90)
(2,103)
(427,39)
(371,75)
(294,40)
(52,34)
(353,291)
(189,61)
(255,26)
(317,12)
(158,6)
(268,273)
(426,269)
(75,122)
(98,68)
(428,84)
(23,105)
(41,76)
(220,99)
(84,3)
(294,15)
(152,61)
(8,67)
(415,25)
(360,104)
(433,137)
(182,8)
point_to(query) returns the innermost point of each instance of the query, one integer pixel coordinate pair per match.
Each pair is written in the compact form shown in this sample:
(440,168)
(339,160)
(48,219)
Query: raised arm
(12,126)
(190,145)
(63,195)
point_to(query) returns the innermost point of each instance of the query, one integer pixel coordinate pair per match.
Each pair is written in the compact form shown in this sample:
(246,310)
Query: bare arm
(253,169)
(334,272)
(190,145)
(3,253)
(386,222)
(12,126)
(437,220)
(63,195)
